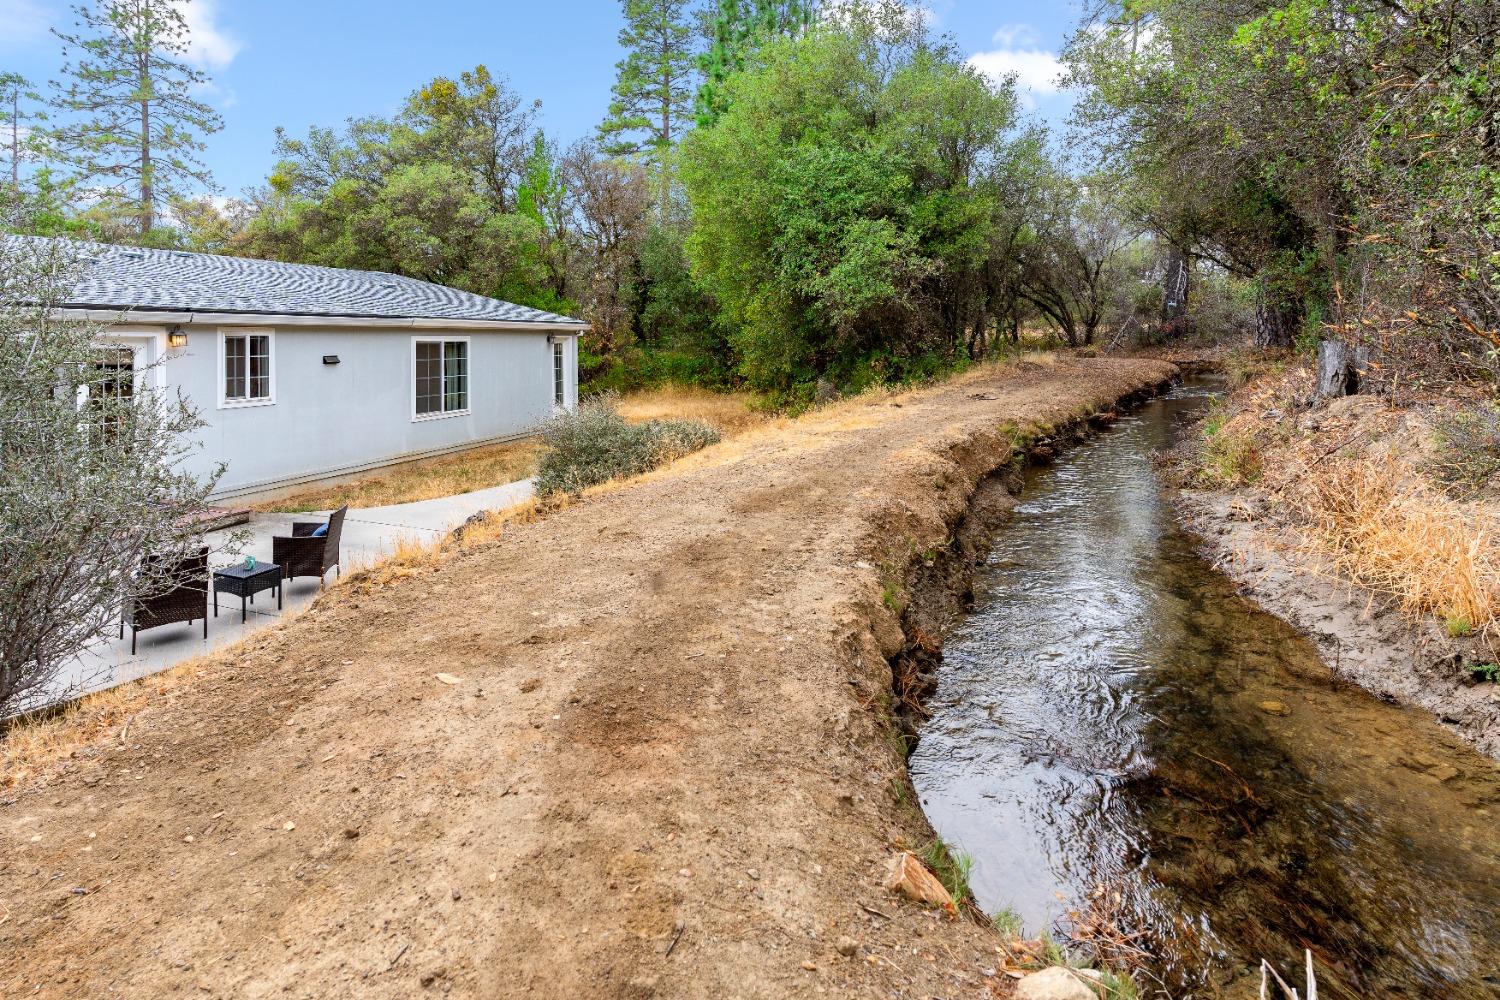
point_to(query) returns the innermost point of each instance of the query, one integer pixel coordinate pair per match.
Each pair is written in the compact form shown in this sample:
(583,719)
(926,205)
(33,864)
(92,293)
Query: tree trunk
(1340,367)
(1175,289)
(1276,323)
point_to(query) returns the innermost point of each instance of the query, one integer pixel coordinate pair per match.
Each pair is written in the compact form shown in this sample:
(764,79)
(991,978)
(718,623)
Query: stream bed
(1116,733)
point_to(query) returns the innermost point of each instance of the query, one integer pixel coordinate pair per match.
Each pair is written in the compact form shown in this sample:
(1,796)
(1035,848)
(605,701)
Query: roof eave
(98,314)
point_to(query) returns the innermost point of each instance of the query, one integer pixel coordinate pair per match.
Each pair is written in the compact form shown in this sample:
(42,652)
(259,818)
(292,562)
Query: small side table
(246,583)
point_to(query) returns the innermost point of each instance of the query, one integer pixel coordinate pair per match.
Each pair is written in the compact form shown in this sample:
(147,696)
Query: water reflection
(1113,714)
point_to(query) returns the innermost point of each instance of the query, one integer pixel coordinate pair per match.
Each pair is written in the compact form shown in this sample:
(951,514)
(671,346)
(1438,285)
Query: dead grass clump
(465,472)
(729,413)
(1376,524)
(33,745)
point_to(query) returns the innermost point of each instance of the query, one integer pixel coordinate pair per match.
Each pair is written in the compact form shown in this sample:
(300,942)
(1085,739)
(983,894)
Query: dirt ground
(654,766)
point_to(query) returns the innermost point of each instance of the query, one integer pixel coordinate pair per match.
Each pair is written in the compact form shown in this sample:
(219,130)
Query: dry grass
(729,413)
(448,476)
(32,746)
(1377,524)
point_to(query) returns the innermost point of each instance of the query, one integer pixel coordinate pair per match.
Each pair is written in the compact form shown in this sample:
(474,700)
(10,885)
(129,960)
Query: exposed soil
(664,769)
(1363,636)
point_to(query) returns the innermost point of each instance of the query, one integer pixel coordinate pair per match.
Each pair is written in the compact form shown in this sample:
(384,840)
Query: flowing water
(1117,733)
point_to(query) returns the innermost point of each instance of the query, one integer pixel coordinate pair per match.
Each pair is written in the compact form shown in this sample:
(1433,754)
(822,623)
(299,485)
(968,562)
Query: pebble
(847,946)
(810,966)
(1275,708)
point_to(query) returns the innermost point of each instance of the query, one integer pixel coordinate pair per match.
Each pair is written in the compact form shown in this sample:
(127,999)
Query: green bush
(1468,450)
(594,444)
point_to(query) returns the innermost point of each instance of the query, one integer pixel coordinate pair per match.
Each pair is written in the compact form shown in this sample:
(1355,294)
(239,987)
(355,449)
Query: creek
(1116,733)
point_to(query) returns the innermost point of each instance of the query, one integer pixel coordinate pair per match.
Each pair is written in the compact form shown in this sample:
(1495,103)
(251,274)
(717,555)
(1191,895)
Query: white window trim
(225,403)
(411,379)
(554,349)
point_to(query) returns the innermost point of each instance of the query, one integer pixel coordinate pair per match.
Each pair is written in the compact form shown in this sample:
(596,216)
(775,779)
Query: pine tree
(652,96)
(738,28)
(138,130)
(17,101)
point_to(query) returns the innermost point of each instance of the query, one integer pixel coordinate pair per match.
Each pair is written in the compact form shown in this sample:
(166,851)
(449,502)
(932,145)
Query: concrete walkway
(370,534)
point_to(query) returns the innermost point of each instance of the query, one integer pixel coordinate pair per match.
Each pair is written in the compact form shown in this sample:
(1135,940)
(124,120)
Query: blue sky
(295,64)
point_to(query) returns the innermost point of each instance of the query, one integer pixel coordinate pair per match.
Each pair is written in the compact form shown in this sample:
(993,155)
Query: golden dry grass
(450,475)
(729,413)
(1376,523)
(32,746)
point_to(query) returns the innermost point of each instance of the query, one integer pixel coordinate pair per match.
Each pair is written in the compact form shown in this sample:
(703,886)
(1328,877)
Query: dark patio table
(246,583)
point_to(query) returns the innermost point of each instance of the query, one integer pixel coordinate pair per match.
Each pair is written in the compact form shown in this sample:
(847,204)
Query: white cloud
(1037,71)
(25,21)
(209,45)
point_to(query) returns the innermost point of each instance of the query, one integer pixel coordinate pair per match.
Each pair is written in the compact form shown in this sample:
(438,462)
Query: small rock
(1275,708)
(754,873)
(188,839)
(1056,983)
(350,833)
(457,895)
(449,678)
(685,872)
(810,966)
(908,876)
(1444,772)
(289,825)
(847,946)
(530,684)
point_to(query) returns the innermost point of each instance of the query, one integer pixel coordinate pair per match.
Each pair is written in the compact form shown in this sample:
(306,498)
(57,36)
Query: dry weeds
(729,413)
(464,472)
(1374,522)
(33,745)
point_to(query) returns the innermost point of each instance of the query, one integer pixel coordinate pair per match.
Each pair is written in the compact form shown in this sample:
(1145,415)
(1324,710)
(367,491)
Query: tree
(17,116)
(90,480)
(844,201)
(1072,266)
(476,123)
(613,203)
(651,93)
(139,127)
(735,30)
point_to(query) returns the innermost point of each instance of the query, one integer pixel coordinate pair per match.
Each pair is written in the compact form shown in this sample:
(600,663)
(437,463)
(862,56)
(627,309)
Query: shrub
(1227,455)
(594,444)
(1468,452)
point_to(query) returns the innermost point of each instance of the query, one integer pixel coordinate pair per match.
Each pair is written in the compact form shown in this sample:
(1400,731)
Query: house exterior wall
(327,421)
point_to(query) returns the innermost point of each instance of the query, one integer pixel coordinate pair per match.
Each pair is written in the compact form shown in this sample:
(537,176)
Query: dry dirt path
(659,775)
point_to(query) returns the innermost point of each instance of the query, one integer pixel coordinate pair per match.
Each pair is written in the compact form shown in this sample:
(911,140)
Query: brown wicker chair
(187,601)
(306,554)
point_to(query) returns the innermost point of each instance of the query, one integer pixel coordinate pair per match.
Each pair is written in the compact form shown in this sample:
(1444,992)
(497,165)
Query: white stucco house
(307,374)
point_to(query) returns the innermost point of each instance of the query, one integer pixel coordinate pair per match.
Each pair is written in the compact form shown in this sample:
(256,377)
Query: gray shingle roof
(170,280)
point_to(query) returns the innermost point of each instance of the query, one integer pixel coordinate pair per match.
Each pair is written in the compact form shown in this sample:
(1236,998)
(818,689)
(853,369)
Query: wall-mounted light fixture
(175,337)
(330,359)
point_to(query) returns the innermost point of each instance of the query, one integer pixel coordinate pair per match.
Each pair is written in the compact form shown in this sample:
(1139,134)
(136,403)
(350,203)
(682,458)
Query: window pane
(260,367)
(429,377)
(234,367)
(455,375)
(557,374)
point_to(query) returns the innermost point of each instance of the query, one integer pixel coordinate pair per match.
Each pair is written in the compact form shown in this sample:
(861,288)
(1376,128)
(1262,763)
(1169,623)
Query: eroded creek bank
(1113,731)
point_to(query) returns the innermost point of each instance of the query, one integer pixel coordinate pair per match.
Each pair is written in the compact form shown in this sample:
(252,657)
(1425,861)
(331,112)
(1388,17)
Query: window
(441,369)
(559,383)
(246,364)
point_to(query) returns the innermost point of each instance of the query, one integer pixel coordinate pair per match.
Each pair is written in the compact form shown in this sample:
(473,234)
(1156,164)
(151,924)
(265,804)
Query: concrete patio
(370,534)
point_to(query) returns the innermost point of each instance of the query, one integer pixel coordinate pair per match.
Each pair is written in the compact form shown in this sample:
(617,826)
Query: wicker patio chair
(306,554)
(186,601)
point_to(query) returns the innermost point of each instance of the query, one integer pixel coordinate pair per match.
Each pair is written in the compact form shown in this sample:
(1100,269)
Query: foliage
(594,444)
(139,125)
(18,113)
(90,482)
(1227,455)
(1468,449)
(736,29)
(843,204)
(652,96)
(1341,154)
